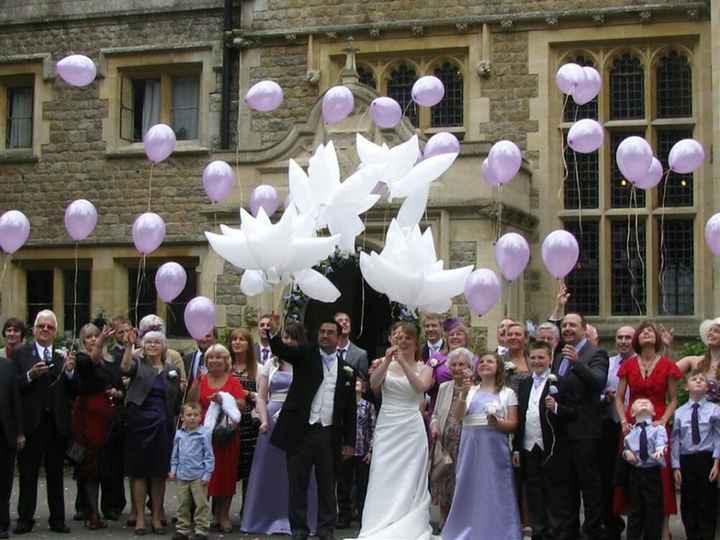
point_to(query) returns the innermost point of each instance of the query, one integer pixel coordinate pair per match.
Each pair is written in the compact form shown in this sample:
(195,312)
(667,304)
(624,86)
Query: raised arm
(127,366)
(687,363)
(378,375)
(261,400)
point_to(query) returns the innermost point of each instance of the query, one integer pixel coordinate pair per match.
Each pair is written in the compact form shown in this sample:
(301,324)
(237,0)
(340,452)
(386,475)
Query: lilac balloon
(560,252)
(569,77)
(148,232)
(199,317)
(218,180)
(686,156)
(337,103)
(712,234)
(386,112)
(170,281)
(80,219)
(505,158)
(634,157)
(652,177)
(159,142)
(76,70)
(589,88)
(482,290)
(512,254)
(585,136)
(264,96)
(14,230)
(265,197)
(441,143)
(428,91)
(489,174)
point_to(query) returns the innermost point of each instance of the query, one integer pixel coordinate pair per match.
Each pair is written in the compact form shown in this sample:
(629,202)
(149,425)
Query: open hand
(714,472)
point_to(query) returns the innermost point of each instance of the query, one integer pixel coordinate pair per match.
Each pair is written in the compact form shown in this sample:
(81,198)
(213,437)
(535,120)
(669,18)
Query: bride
(397,505)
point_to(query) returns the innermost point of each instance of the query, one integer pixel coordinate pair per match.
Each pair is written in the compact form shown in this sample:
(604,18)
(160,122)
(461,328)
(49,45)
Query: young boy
(695,453)
(644,450)
(540,441)
(192,463)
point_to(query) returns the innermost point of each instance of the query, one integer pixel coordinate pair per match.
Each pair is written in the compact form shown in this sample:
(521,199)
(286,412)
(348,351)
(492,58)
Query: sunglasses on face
(45,327)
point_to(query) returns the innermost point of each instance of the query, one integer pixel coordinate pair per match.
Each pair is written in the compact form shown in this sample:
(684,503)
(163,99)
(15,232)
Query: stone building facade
(169,60)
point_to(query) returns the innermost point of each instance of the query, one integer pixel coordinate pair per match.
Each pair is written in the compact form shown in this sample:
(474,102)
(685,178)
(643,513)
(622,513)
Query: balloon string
(75,292)
(633,199)
(498,226)
(362,304)
(138,282)
(5,307)
(152,165)
(661,275)
(629,263)
(562,146)
(577,184)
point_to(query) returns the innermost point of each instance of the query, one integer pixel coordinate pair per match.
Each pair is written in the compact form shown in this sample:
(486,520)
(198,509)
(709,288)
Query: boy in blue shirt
(695,453)
(191,464)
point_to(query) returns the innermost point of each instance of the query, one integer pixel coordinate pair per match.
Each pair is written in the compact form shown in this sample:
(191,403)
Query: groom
(316,427)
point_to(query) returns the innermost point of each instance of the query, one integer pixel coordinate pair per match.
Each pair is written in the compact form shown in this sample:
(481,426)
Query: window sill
(18,156)
(136,149)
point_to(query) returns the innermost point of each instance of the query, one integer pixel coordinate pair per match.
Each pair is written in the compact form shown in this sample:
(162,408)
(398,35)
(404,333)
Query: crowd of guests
(513,441)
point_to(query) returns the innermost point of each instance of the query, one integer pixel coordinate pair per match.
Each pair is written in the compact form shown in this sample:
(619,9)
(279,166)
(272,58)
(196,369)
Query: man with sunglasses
(45,379)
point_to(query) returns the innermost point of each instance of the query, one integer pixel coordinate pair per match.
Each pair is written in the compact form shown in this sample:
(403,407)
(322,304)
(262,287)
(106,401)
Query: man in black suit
(582,368)
(432,328)
(540,443)
(195,360)
(13,440)
(316,427)
(44,377)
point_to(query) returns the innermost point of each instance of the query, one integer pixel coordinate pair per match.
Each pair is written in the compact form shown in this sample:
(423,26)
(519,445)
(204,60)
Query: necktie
(341,354)
(695,423)
(47,356)
(564,365)
(643,442)
(265,355)
(198,364)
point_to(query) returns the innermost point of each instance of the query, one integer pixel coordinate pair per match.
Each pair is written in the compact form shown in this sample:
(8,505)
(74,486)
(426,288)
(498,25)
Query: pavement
(117,529)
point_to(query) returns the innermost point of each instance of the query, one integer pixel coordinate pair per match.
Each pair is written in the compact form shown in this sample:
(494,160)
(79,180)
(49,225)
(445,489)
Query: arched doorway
(369,310)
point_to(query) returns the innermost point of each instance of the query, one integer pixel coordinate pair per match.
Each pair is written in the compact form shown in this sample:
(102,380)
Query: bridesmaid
(484,500)
(266,509)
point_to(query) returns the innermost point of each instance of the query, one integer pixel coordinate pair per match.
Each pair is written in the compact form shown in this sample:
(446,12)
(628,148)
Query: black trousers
(645,504)
(7,471)
(45,445)
(352,488)
(578,473)
(316,451)
(545,497)
(698,496)
(608,454)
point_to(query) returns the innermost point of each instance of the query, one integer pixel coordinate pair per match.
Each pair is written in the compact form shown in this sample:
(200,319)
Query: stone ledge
(18,156)
(137,150)
(48,66)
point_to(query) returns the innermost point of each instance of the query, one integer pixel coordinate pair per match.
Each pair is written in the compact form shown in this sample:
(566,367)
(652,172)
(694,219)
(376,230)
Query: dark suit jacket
(426,350)
(358,360)
(10,403)
(586,380)
(307,378)
(53,389)
(188,360)
(552,425)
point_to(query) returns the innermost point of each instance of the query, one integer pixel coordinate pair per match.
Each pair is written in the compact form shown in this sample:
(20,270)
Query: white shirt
(435,347)
(321,409)
(533,429)
(612,383)
(264,357)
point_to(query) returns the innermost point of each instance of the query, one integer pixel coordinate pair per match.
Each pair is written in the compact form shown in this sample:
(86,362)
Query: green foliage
(694,347)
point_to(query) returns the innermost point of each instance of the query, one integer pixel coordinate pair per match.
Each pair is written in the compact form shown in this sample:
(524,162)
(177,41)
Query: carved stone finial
(551,21)
(349,73)
(484,68)
(331,35)
(312,76)
(598,18)
(291,37)
(374,33)
(418,30)
(242,43)
(645,16)
(461,27)
(693,13)
(506,24)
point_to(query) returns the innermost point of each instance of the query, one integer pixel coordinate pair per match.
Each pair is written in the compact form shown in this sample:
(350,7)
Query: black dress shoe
(24,527)
(344,524)
(111,516)
(4,534)
(79,516)
(60,528)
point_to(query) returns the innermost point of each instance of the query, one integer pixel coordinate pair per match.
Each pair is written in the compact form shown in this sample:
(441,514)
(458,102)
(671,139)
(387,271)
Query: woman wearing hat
(708,363)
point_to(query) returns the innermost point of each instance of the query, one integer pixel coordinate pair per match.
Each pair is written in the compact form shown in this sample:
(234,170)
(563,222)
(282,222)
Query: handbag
(223,432)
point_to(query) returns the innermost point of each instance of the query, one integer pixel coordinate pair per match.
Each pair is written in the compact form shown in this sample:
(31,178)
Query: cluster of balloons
(502,164)
(636,162)
(583,84)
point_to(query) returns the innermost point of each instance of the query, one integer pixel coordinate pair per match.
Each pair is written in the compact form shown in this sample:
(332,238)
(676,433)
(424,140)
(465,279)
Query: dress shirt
(533,429)
(612,384)
(709,423)
(435,346)
(343,351)
(321,409)
(197,363)
(565,365)
(265,354)
(657,439)
(192,455)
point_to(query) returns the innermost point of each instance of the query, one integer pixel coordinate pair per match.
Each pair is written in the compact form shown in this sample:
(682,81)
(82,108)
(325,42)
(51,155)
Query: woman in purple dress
(484,501)
(266,509)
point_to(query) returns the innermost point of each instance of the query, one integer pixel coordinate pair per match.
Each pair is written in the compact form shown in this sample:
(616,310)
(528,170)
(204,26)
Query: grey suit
(358,359)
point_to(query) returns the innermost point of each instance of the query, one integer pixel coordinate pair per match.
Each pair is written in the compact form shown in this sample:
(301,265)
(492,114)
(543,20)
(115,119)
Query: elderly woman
(218,379)
(154,323)
(13,333)
(153,399)
(99,389)
(445,433)
(708,363)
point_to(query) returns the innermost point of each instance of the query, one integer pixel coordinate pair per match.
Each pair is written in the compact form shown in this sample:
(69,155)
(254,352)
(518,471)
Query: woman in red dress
(222,483)
(652,376)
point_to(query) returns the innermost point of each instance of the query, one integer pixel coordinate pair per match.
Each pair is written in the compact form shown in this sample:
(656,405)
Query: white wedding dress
(397,505)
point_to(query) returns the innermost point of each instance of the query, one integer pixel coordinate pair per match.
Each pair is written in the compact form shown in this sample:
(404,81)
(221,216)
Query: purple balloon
(588,88)
(634,157)
(652,177)
(560,252)
(264,96)
(14,230)
(170,281)
(712,234)
(585,136)
(148,232)
(199,317)
(264,197)
(428,91)
(441,143)
(80,219)
(482,290)
(569,77)
(489,174)
(76,70)
(686,156)
(218,180)
(512,254)
(505,158)
(386,112)
(159,142)
(337,103)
